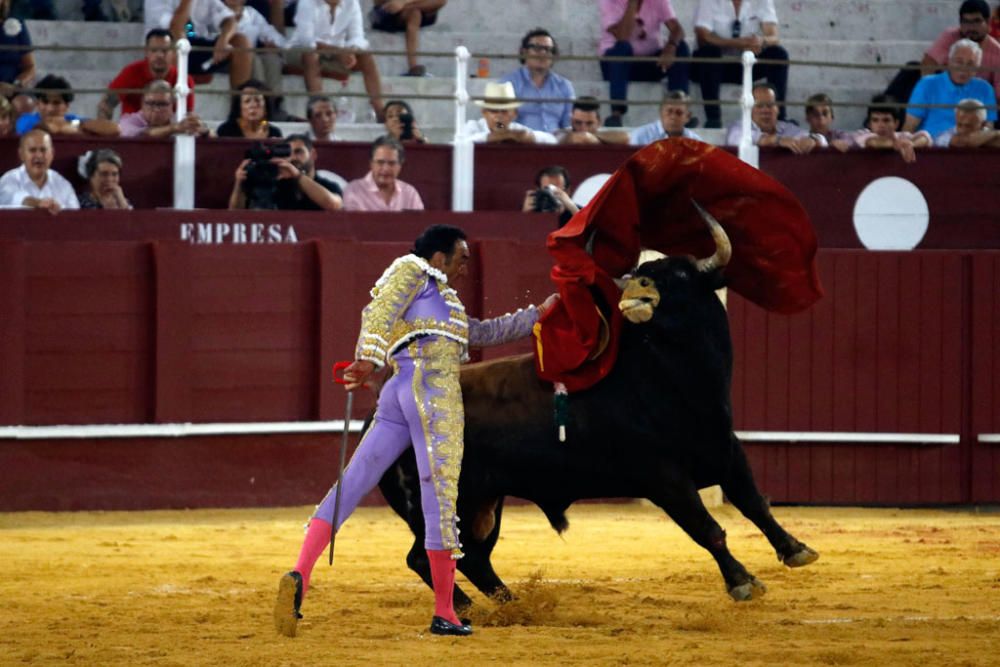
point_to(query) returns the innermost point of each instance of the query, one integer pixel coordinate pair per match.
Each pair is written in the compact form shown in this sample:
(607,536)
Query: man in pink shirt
(974,24)
(381,189)
(633,28)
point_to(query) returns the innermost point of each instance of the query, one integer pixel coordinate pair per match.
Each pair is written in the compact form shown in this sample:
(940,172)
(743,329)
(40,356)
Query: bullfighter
(417,321)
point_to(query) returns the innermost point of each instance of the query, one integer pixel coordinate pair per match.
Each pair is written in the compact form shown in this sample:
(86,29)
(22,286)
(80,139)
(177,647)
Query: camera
(406,120)
(545,200)
(261,183)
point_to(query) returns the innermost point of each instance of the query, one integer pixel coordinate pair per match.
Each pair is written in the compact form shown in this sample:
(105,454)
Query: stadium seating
(872,32)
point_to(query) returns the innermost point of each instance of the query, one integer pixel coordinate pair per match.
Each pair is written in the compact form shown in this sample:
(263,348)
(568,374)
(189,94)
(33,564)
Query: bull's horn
(723,249)
(620,282)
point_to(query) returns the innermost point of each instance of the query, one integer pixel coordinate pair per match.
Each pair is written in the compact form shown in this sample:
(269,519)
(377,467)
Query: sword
(339,379)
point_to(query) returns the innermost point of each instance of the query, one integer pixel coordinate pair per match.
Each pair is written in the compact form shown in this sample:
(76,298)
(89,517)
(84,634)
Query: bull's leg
(476,564)
(741,490)
(680,500)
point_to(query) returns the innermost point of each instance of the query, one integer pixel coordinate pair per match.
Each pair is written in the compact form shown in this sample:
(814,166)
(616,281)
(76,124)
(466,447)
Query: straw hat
(499,96)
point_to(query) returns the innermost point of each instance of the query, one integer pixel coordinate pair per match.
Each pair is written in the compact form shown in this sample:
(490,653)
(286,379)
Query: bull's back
(504,391)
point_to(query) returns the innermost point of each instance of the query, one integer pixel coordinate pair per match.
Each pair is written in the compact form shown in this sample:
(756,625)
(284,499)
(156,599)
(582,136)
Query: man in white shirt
(33,184)
(497,124)
(727,28)
(334,32)
(205,23)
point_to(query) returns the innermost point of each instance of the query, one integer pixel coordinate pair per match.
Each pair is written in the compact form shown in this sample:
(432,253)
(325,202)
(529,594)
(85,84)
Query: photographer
(283,177)
(401,124)
(549,195)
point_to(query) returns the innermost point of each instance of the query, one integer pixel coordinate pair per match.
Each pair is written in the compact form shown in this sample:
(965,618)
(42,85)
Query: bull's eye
(645,282)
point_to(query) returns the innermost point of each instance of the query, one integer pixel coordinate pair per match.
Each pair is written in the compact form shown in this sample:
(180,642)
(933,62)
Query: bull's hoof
(750,590)
(803,556)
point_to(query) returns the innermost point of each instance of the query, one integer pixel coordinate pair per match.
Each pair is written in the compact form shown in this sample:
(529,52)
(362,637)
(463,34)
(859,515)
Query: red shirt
(137,75)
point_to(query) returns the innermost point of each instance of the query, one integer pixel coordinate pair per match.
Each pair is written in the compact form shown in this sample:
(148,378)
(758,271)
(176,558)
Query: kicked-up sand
(623,585)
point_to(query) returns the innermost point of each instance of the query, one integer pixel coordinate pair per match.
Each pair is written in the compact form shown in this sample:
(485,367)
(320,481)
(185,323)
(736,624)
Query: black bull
(659,426)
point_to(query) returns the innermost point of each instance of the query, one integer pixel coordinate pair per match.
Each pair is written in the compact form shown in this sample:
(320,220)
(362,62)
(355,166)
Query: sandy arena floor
(624,586)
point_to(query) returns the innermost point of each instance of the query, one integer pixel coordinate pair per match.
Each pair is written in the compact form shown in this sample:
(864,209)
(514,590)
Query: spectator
(54,97)
(265,67)
(250,113)
(381,189)
(158,64)
(995,24)
(17,65)
(401,124)
(726,28)
(973,24)
(407,16)
(321,113)
(633,28)
(298,187)
(156,117)
(585,125)
(766,129)
(536,80)
(882,124)
(34,184)
(103,170)
(205,23)
(819,115)
(674,115)
(7,117)
(550,194)
(970,129)
(948,88)
(497,124)
(333,31)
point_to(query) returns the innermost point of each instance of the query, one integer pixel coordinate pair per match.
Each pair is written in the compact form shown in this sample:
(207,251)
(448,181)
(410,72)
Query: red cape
(647,204)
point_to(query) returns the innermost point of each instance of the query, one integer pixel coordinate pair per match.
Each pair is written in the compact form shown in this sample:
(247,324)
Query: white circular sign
(586,190)
(891,214)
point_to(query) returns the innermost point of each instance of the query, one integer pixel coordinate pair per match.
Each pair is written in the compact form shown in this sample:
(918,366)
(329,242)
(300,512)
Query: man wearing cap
(497,124)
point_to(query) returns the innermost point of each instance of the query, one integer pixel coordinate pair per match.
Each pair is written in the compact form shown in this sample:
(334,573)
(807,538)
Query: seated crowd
(947,100)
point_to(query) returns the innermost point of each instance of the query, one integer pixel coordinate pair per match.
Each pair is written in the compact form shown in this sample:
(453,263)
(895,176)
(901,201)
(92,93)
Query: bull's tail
(556,514)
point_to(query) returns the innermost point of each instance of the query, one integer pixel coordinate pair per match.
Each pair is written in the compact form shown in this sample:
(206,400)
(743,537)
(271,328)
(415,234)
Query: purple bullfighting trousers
(422,404)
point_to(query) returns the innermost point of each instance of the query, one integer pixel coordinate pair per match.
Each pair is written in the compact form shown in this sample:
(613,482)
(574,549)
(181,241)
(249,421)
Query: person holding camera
(283,177)
(401,124)
(549,194)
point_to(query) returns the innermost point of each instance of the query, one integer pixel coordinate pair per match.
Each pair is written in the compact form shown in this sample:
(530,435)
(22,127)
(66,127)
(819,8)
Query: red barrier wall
(158,330)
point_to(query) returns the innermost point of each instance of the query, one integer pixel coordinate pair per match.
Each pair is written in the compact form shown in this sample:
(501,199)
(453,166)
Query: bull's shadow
(659,426)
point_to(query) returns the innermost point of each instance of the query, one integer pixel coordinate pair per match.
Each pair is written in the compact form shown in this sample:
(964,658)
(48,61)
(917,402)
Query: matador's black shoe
(286,608)
(440,626)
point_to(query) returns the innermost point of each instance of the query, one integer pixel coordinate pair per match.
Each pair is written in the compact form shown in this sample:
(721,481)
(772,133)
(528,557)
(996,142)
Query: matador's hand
(358,373)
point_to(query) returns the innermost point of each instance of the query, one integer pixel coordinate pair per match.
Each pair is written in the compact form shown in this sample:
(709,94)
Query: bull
(659,427)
